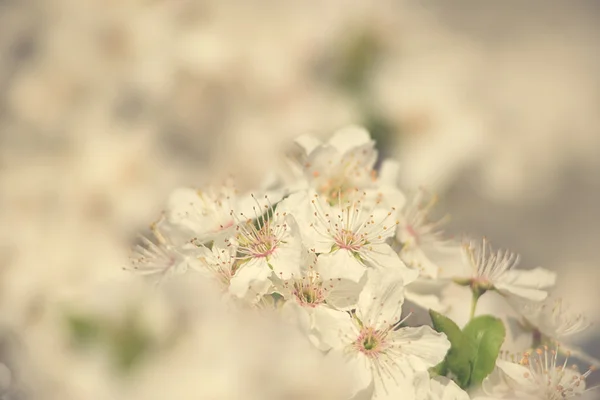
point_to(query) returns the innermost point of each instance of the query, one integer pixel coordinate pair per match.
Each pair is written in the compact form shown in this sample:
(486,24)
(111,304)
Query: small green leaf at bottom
(486,334)
(458,359)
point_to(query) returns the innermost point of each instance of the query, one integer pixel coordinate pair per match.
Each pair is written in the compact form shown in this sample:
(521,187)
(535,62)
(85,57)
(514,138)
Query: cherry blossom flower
(161,259)
(269,240)
(308,292)
(344,167)
(487,269)
(384,355)
(537,376)
(551,318)
(343,164)
(201,214)
(352,240)
(245,281)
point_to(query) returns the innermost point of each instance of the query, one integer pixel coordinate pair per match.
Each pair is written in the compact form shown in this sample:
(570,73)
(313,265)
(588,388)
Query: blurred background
(105,106)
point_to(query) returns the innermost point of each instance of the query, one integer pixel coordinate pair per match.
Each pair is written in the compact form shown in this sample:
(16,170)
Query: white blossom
(162,259)
(537,376)
(352,240)
(268,239)
(551,318)
(242,280)
(384,354)
(201,214)
(343,168)
(308,292)
(497,270)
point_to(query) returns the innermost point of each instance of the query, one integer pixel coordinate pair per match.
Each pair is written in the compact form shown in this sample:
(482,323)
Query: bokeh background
(105,106)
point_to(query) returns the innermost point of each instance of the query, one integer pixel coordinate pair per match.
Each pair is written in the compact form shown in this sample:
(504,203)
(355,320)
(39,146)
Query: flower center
(264,246)
(346,239)
(309,293)
(370,342)
(257,243)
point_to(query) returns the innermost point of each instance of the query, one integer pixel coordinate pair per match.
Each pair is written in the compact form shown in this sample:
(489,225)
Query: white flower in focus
(243,280)
(268,241)
(438,388)
(343,169)
(340,166)
(495,270)
(308,292)
(383,354)
(161,259)
(539,376)
(352,240)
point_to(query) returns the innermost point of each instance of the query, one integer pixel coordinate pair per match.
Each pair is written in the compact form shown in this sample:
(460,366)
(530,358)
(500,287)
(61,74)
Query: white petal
(393,387)
(517,373)
(307,143)
(538,278)
(422,386)
(173,233)
(427,293)
(432,258)
(415,258)
(340,264)
(362,377)
(294,203)
(343,293)
(521,292)
(388,173)
(446,389)
(286,259)
(495,386)
(421,347)
(383,257)
(380,302)
(320,163)
(296,314)
(349,138)
(437,388)
(182,203)
(426,301)
(251,278)
(316,242)
(334,328)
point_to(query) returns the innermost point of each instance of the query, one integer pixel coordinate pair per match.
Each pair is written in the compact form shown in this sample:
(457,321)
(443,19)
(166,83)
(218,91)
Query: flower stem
(477,292)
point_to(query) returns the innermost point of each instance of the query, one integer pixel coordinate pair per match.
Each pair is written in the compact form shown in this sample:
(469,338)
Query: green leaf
(441,369)
(486,334)
(445,325)
(459,357)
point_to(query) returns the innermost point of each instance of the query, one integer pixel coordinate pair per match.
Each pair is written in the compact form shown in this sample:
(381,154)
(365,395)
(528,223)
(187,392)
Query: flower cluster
(338,250)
